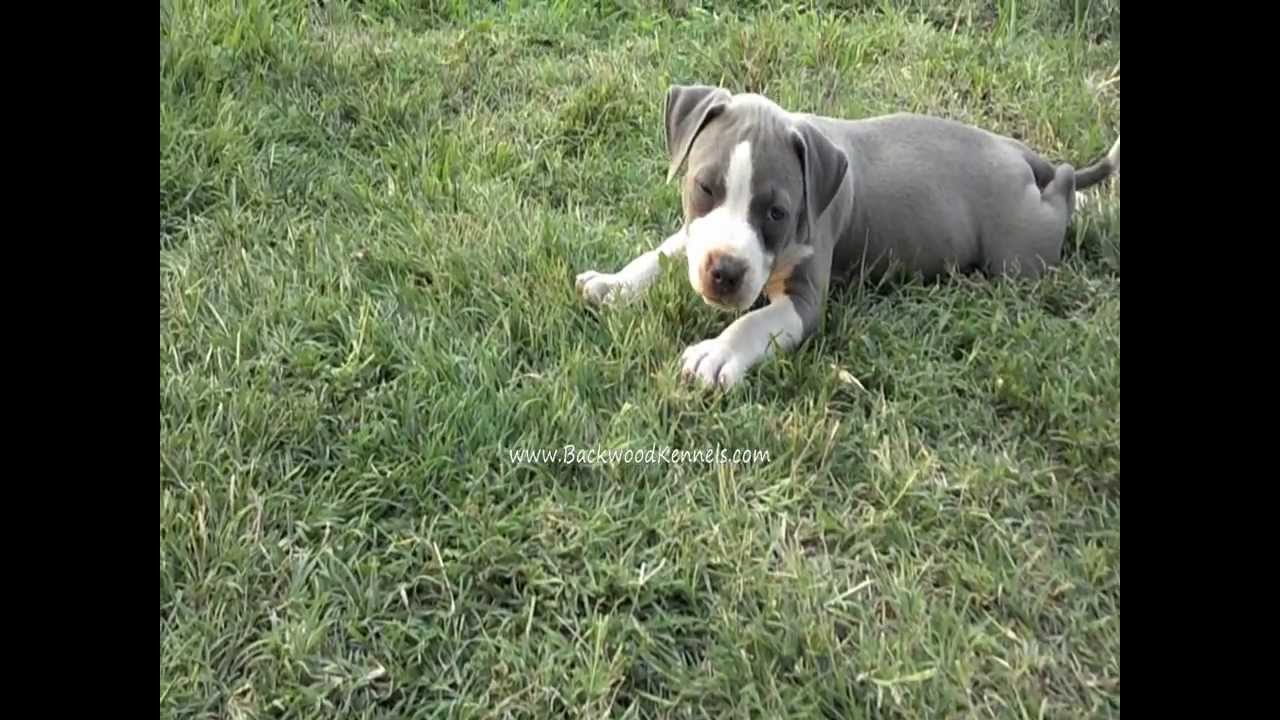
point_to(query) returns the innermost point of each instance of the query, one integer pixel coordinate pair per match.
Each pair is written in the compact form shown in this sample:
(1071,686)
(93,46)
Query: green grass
(371,217)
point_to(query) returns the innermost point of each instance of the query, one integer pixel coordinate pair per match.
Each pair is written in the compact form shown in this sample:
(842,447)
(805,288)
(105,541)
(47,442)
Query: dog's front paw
(600,288)
(713,363)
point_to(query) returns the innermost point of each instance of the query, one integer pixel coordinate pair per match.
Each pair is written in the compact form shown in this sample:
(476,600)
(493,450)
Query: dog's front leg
(796,290)
(723,361)
(631,281)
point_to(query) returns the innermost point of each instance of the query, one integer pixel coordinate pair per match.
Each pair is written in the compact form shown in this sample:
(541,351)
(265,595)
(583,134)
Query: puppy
(777,202)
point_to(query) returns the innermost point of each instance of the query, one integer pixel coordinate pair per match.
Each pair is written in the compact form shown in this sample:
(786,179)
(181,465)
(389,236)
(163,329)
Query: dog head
(758,178)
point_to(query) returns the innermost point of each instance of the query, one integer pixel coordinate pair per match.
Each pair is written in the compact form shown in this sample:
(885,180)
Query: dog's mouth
(720,304)
(727,278)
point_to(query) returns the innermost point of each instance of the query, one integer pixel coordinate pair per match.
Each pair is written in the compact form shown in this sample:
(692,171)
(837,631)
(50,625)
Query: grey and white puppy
(776,203)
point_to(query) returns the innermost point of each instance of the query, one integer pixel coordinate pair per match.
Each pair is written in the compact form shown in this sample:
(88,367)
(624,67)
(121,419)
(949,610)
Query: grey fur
(902,193)
(919,195)
(926,194)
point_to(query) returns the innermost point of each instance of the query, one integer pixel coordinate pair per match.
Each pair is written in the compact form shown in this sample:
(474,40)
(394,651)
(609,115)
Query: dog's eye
(777,214)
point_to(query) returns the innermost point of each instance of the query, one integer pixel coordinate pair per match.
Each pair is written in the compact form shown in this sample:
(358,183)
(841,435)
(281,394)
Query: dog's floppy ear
(824,166)
(689,108)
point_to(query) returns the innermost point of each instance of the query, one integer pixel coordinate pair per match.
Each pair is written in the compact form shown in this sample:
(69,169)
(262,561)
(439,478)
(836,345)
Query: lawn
(371,217)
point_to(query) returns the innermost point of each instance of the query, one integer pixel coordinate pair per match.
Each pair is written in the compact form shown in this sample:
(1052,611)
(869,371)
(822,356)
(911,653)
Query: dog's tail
(1101,170)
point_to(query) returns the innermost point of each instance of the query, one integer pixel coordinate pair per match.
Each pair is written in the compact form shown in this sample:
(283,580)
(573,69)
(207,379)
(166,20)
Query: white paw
(714,363)
(601,288)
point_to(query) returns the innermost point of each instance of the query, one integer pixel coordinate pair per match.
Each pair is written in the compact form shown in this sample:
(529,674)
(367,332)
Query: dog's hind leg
(1029,241)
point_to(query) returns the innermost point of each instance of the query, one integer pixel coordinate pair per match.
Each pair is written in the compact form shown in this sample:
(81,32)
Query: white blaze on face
(727,231)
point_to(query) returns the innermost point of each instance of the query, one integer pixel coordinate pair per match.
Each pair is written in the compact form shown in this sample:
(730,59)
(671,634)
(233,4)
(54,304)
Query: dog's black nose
(726,274)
